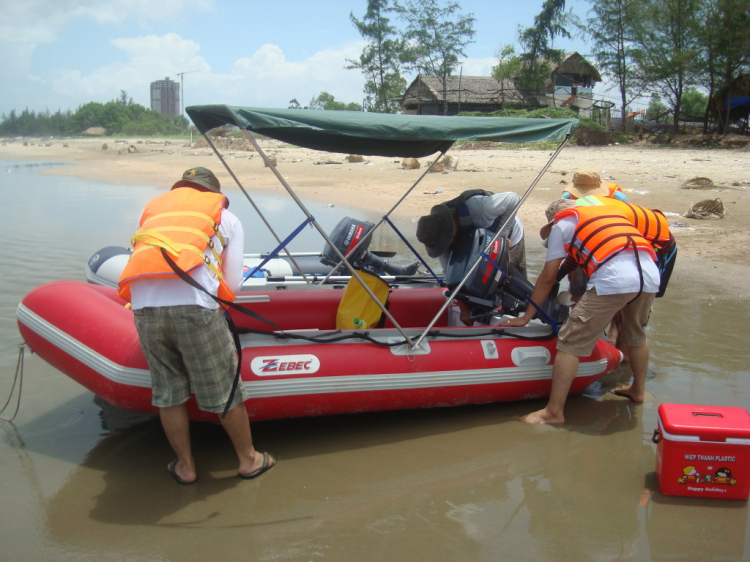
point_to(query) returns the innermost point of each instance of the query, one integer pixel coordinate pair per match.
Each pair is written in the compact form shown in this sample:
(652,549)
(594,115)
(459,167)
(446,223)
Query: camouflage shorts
(189,349)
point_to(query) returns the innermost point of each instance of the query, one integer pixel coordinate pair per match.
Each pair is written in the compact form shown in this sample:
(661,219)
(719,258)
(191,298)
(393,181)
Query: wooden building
(570,84)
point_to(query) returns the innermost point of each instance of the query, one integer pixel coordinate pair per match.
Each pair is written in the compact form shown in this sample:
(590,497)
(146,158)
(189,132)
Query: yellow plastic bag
(356,303)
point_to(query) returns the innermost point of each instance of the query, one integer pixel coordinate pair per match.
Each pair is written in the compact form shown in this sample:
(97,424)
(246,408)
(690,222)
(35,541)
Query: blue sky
(59,54)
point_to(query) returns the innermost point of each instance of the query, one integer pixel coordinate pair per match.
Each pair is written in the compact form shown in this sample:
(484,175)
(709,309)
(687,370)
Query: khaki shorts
(189,346)
(592,314)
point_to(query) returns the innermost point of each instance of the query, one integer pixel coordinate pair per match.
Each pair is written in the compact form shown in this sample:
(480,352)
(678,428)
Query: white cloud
(39,21)
(477,67)
(28,23)
(152,58)
(169,46)
(264,78)
(267,78)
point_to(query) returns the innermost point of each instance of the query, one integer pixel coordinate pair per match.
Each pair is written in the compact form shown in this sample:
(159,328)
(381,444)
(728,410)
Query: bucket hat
(587,181)
(435,230)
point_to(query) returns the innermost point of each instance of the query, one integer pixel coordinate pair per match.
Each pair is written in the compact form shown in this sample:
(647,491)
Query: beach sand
(650,176)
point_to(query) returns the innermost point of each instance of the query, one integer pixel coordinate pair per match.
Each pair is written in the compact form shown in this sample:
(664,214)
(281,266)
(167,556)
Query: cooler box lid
(688,422)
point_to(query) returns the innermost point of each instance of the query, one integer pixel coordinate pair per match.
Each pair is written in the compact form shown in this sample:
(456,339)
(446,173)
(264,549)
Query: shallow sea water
(85,481)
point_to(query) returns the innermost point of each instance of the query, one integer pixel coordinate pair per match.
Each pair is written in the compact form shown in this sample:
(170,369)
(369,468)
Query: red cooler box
(703,451)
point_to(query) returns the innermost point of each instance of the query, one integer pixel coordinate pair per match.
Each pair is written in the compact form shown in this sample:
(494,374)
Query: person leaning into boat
(587,181)
(651,224)
(475,208)
(622,274)
(181,329)
(450,222)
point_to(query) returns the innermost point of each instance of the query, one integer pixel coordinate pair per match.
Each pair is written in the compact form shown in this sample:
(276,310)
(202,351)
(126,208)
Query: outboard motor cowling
(488,291)
(345,236)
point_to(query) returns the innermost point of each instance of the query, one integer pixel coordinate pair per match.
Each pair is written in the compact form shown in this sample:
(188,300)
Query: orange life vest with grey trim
(652,225)
(181,222)
(601,233)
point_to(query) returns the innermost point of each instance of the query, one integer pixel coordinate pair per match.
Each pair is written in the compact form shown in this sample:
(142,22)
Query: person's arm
(620,196)
(500,206)
(233,255)
(542,288)
(567,267)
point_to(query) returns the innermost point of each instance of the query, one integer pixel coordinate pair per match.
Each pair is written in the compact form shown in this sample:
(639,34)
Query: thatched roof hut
(574,64)
(427,94)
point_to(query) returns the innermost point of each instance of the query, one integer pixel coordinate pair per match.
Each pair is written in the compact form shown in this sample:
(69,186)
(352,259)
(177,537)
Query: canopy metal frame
(413,345)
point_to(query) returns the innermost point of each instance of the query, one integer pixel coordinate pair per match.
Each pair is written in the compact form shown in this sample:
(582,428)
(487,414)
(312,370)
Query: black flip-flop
(171,469)
(622,395)
(266,466)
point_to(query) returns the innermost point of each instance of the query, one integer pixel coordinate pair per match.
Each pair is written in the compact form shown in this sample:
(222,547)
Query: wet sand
(85,481)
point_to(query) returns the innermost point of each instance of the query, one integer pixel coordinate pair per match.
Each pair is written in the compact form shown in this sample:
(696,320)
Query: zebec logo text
(274,365)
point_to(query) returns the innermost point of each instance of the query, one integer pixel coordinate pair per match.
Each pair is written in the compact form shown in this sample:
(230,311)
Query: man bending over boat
(182,331)
(449,223)
(622,275)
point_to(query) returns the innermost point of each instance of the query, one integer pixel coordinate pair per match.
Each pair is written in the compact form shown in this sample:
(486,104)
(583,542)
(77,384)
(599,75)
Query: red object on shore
(703,451)
(85,331)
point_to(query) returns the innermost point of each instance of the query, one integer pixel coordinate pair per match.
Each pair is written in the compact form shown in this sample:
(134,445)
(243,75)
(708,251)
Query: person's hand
(514,322)
(466,316)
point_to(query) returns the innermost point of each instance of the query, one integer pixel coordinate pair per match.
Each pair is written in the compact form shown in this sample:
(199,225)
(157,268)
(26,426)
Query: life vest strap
(152,239)
(196,214)
(199,233)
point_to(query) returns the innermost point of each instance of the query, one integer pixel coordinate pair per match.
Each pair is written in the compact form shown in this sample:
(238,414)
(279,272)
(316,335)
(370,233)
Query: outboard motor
(345,236)
(488,291)
(106,265)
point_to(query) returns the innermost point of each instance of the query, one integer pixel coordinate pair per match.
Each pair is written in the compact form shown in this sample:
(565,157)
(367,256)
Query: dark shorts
(592,314)
(189,349)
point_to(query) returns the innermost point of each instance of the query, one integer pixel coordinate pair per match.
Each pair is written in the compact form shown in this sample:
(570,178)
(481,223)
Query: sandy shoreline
(651,176)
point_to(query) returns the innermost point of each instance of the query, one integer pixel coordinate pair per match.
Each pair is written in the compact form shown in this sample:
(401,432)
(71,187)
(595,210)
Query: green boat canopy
(376,134)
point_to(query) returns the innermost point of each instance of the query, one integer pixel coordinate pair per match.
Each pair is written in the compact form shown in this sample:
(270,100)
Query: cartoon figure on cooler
(724,476)
(690,475)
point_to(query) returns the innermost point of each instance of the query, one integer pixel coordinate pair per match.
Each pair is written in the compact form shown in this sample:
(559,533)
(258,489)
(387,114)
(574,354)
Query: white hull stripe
(84,354)
(305,386)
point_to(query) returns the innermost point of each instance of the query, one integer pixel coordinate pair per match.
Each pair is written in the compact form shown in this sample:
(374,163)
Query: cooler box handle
(655,437)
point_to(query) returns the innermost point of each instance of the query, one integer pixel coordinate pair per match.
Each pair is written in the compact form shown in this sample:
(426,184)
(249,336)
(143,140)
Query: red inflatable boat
(85,331)
(309,367)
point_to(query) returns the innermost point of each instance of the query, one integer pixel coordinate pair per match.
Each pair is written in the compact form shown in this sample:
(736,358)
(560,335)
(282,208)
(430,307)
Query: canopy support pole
(257,210)
(325,237)
(497,235)
(384,218)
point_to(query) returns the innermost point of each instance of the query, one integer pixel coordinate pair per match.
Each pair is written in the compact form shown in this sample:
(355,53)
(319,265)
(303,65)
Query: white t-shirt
(173,291)
(618,275)
(484,209)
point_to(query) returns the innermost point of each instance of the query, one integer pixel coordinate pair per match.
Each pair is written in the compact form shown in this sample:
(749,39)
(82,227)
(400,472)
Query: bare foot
(541,416)
(625,392)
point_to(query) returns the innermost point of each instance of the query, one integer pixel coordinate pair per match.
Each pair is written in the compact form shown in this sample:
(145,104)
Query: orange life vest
(601,233)
(182,222)
(652,225)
